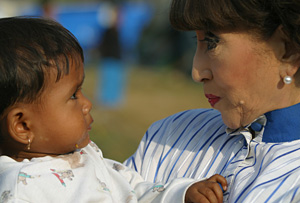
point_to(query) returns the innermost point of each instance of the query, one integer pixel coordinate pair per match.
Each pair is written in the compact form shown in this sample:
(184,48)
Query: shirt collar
(283,125)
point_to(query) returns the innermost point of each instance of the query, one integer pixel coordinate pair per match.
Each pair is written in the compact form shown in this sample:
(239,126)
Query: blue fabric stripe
(147,145)
(188,144)
(230,162)
(182,113)
(260,167)
(217,137)
(182,141)
(230,175)
(217,153)
(294,194)
(201,147)
(146,136)
(157,167)
(282,155)
(248,166)
(161,160)
(150,141)
(277,188)
(269,181)
(154,134)
(134,165)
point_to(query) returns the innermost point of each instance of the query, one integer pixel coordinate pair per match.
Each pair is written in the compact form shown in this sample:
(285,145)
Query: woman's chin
(230,123)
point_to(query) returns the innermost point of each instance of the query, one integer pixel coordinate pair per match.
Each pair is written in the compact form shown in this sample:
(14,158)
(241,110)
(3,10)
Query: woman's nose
(201,71)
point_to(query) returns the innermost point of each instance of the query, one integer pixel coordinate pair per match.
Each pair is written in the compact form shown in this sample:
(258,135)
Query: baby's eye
(74,95)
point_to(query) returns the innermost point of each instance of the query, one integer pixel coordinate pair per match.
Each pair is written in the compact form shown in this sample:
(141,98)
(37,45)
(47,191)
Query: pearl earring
(287,80)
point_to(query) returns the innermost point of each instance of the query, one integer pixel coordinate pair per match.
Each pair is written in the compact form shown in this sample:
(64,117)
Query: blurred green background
(151,95)
(157,61)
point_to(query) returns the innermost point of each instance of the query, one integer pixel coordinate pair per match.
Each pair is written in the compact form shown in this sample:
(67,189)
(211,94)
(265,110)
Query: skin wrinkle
(241,104)
(224,70)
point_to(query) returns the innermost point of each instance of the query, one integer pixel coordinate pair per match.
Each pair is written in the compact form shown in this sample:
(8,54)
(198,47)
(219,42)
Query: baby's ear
(18,125)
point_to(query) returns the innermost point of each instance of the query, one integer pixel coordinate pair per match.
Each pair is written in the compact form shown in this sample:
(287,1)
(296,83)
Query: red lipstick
(212,99)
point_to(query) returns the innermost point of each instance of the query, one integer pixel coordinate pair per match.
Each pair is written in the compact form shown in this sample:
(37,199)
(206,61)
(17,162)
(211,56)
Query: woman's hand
(209,190)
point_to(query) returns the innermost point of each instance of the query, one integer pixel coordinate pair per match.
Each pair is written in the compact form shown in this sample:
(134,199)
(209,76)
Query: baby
(46,151)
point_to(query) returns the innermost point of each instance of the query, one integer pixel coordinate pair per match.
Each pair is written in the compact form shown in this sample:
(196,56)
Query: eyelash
(211,41)
(74,97)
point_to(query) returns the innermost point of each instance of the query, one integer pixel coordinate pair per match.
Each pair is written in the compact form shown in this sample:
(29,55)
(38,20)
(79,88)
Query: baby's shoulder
(10,175)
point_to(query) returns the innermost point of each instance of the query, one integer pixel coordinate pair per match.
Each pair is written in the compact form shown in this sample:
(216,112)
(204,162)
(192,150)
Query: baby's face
(63,121)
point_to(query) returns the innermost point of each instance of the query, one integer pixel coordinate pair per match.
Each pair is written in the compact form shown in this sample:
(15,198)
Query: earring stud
(287,80)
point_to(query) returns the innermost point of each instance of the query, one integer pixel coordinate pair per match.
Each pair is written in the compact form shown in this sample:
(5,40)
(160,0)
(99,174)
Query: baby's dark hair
(29,48)
(260,17)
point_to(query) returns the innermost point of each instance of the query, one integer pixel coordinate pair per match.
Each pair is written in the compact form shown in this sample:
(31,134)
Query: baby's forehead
(62,88)
(63,67)
(62,64)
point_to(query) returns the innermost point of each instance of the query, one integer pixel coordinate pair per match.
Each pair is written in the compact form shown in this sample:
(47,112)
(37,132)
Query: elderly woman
(248,59)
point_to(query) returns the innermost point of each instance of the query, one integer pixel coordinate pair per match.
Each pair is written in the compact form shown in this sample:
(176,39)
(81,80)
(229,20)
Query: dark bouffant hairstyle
(29,49)
(260,17)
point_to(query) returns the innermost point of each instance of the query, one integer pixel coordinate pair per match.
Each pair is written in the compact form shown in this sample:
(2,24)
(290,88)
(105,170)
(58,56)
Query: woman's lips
(212,99)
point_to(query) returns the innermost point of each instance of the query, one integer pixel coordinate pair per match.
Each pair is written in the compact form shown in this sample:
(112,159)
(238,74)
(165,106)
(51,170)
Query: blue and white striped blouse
(260,167)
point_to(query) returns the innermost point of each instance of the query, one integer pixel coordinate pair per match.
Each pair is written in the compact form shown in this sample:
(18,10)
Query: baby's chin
(85,142)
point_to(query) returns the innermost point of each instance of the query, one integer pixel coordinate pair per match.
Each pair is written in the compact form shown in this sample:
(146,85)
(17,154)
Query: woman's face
(240,75)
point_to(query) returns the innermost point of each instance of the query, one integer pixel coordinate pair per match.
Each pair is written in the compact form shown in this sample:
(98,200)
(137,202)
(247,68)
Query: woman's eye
(211,42)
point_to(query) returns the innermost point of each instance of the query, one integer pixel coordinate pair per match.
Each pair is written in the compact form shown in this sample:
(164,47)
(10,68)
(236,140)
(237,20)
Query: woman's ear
(286,52)
(18,125)
(289,52)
